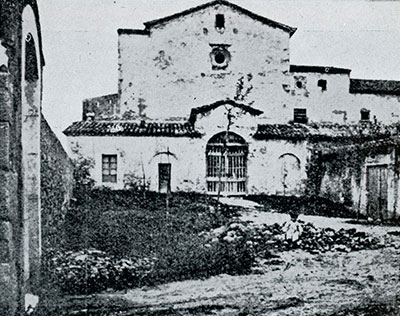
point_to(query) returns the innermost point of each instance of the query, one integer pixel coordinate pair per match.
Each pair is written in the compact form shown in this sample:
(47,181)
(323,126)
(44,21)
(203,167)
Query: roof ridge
(319,69)
(287,28)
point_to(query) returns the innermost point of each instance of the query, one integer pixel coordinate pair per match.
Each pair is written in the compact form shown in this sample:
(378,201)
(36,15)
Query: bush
(91,271)
(196,258)
(127,224)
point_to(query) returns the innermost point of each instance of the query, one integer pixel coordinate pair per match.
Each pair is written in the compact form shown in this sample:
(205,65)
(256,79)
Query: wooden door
(377,191)
(164,177)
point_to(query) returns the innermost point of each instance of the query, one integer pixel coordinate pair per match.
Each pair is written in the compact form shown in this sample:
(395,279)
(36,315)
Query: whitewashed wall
(171,72)
(138,154)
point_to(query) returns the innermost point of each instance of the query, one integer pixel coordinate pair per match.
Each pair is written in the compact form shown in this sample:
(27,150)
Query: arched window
(226,158)
(290,174)
(31,64)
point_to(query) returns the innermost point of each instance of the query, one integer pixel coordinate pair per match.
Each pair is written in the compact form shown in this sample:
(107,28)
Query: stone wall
(56,177)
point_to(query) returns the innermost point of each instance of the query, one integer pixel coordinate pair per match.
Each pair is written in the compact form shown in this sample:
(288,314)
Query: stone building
(23,163)
(208,101)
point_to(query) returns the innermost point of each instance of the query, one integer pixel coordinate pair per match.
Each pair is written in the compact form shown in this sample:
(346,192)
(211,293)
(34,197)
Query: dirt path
(304,285)
(301,284)
(333,283)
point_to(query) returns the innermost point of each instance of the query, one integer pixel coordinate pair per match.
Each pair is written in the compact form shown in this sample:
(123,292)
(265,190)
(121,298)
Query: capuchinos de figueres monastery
(208,101)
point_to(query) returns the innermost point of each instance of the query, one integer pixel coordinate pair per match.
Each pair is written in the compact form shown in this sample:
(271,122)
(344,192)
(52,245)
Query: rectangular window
(109,168)
(322,84)
(300,116)
(219,21)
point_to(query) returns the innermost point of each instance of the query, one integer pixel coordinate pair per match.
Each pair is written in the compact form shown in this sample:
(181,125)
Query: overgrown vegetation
(110,234)
(124,224)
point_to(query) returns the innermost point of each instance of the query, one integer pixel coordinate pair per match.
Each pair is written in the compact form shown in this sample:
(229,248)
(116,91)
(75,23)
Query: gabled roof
(112,128)
(208,107)
(319,69)
(254,16)
(375,86)
(325,132)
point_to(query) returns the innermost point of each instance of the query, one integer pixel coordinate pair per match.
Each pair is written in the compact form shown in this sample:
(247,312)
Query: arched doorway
(226,164)
(290,174)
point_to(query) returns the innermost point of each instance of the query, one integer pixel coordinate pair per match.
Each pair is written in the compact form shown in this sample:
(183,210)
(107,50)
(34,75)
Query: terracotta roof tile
(375,86)
(354,132)
(112,128)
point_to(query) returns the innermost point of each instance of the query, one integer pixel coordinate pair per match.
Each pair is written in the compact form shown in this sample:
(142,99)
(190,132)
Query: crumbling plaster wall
(336,104)
(174,61)
(385,108)
(142,154)
(349,184)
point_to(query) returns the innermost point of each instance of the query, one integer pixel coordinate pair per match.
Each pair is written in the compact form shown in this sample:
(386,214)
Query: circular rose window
(220,57)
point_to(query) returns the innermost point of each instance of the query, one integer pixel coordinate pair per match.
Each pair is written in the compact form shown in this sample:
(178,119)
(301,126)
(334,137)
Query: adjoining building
(208,101)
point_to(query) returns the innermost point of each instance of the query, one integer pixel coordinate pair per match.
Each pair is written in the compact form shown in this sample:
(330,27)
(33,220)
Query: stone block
(8,195)
(6,242)
(5,98)
(8,290)
(5,145)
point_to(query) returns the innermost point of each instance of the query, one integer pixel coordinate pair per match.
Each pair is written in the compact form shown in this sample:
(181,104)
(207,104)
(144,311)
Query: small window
(322,84)
(219,21)
(300,116)
(365,115)
(109,168)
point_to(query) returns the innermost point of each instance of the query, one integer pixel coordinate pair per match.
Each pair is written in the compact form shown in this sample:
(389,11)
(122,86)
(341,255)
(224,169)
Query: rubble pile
(315,240)
(272,238)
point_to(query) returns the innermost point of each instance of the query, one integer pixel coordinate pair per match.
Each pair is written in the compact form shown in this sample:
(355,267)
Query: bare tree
(242,92)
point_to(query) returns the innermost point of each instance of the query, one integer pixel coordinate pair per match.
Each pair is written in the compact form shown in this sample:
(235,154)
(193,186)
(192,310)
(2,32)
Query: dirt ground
(363,282)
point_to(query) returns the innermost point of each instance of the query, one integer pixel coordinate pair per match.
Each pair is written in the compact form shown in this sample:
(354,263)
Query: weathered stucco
(168,72)
(173,58)
(187,157)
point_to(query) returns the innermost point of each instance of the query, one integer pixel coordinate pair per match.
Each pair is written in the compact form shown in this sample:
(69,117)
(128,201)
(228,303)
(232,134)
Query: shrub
(195,258)
(127,224)
(91,271)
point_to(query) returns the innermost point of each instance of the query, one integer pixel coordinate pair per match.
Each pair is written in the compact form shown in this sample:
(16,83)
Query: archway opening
(30,155)
(290,174)
(226,164)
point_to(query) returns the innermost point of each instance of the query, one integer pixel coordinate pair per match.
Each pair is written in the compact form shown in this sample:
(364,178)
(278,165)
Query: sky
(80,42)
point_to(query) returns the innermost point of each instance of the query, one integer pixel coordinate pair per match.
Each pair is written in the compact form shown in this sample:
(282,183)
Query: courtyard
(301,281)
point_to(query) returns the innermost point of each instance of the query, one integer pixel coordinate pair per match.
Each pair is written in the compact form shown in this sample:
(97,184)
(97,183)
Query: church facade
(208,101)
